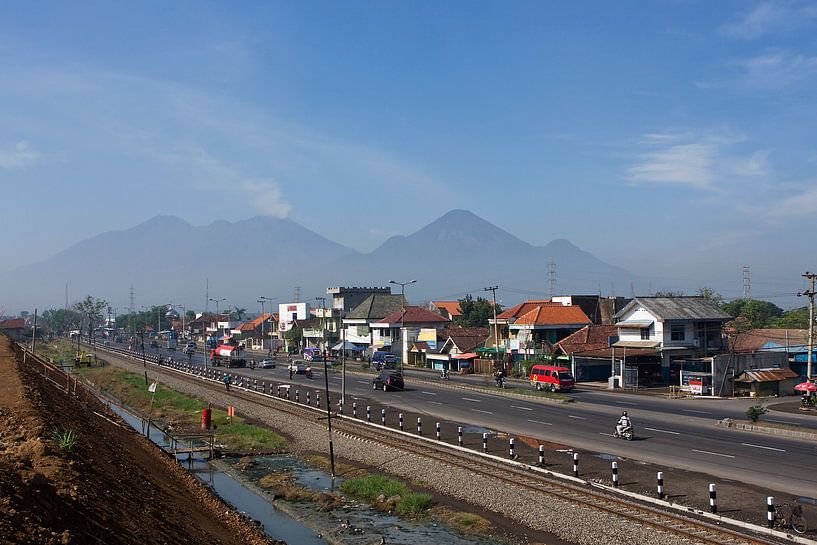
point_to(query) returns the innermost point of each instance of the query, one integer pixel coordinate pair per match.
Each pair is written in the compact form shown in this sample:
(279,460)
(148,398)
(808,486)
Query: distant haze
(167,260)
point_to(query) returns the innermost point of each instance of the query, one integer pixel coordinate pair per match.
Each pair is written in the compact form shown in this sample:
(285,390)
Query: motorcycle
(444,375)
(308,373)
(627,433)
(500,382)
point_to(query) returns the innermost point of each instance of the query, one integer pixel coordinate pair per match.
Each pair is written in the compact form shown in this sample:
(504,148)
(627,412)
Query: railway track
(688,525)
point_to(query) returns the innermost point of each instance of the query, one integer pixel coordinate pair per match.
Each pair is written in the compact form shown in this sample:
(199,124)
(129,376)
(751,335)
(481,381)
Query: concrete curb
(488,390)
(758,428)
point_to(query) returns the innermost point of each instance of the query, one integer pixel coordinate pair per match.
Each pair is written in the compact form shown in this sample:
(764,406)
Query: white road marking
(472,399)
(363,382)
(478,411)
(576,417)
(664,431)
(761,446)
(607,434)
(540,422)
(626,403)
(436,402)
(782,422)
(713,453)
(428,393)
(521,408)
(691,411)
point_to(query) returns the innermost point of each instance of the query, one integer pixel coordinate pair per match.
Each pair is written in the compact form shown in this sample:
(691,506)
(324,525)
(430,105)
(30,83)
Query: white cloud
(267,198)
(777,69)
(683,164)
(755,164)
(697,159)
(802,204)
(757,21)
(18,156)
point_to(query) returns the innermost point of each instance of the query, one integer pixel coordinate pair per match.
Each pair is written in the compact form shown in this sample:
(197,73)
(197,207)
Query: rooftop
(524,308)
(376,306)
(414,315)
(451,307)
(592,337)
(553,315)
(677,308)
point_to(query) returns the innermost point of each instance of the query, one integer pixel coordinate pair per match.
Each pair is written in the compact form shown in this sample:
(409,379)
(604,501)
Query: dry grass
(468,523)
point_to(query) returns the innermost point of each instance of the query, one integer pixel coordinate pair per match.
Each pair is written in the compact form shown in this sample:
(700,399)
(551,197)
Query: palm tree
(238,313)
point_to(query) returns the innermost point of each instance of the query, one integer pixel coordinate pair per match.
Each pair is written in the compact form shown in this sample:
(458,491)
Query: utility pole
(263,300)
(493,289)
(810,294)
(402,318)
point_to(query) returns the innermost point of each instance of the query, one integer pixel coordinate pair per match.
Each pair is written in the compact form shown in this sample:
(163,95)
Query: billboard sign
(290,312)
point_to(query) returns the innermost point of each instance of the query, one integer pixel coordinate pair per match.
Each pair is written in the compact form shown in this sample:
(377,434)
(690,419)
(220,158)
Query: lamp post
(402,315)
(217,301)
(184,310)
(263,300)
(323,323)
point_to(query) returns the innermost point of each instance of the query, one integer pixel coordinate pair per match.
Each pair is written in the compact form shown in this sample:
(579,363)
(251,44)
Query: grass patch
(182,410)
(414,504)
(532,392)
(469,523)
(370,487)
(66,439)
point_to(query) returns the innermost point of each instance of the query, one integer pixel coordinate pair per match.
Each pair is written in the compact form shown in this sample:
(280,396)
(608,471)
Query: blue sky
(674,138)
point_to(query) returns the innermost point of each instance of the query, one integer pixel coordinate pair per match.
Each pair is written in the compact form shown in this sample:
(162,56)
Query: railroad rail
(684,522)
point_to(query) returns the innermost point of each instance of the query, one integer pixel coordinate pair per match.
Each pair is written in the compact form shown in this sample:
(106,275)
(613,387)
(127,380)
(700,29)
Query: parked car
(298,367)
(551,377)
(388,381)
(266,364)
(384,360)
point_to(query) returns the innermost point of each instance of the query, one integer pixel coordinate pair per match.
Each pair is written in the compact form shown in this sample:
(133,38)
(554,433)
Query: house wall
(639,314)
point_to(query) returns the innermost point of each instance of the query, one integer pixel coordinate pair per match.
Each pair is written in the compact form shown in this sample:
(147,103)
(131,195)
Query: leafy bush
(755,411)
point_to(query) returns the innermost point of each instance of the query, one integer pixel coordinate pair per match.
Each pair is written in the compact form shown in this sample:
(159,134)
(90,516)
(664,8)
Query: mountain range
(166,260)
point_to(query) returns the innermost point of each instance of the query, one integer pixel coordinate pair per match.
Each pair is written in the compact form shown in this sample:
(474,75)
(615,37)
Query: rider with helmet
(623,423)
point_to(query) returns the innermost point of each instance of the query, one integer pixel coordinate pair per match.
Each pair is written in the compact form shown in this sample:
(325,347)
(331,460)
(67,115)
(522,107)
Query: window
(645,333)
(677,332)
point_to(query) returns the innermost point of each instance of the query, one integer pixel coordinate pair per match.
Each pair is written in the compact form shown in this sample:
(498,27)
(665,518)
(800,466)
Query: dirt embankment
(113,487)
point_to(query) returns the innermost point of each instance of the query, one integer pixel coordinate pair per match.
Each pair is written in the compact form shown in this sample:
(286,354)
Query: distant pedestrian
(290,372)
(227,381)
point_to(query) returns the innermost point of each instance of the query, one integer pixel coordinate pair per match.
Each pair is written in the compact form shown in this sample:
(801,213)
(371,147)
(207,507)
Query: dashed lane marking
(521,408)
(576,417)
(479,411)
(713,453)
(540,422)
(763,447)
(664,431)
(697,412)
(428,393)
(472,399)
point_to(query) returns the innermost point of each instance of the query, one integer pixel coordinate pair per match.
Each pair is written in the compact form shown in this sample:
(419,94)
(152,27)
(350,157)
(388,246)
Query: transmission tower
(746,284)
(552,277)
(297,294)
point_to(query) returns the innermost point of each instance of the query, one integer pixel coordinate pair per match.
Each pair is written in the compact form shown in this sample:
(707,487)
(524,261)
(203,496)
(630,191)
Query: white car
(266,364)
(298,367)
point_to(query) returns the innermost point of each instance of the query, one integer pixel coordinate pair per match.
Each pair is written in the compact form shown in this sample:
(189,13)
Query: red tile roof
(592,337)
(451,307)
(13,323)
(755,339)
(524,308)
(413,315)
(257,322)
(553,315)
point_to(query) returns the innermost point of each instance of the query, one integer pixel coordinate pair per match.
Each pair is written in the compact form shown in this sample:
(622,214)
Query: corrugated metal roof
(637,344)
(766,375)
(677,308)
(636,324)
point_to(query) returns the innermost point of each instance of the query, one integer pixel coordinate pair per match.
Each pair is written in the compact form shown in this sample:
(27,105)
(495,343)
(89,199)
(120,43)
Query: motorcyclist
(308,372)
(444,374)
(500,378)
(623,423)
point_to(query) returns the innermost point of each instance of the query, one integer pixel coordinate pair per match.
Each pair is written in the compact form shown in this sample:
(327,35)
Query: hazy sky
(676,139)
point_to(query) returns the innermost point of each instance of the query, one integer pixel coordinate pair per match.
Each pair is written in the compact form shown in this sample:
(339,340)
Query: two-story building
(673,336)
(357,324)
(405,326)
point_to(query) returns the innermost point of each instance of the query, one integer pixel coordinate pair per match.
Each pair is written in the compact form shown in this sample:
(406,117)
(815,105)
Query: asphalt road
(672,433)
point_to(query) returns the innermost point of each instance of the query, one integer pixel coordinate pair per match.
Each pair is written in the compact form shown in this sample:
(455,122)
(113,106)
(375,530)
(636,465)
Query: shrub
(755,411)
(369,487)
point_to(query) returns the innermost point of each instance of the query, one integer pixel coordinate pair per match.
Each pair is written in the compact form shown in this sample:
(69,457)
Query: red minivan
(551,377)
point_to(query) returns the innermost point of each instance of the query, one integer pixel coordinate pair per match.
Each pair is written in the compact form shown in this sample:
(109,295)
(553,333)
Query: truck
(227,355)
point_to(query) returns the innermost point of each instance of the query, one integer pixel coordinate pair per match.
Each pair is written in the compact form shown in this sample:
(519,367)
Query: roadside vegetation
(178,411)
(388,494)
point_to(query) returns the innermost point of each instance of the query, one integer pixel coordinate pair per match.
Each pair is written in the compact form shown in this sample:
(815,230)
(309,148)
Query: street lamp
(323,323)
(263,300)
(402,314)
(217,301)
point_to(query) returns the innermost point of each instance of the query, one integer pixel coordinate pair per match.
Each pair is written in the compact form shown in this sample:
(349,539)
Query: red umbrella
(806,387)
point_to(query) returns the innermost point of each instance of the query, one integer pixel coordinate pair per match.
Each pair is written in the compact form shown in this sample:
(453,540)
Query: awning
(635,324)
(466,356)
(347,346)
(491,350)
(637,344)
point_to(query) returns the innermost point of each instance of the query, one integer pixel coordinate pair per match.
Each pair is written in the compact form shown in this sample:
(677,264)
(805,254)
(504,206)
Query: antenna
(551,277)
(746,284)
(297,293)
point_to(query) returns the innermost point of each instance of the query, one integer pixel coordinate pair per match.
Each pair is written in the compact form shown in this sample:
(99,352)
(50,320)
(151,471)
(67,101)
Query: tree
(238,313)
(475,312)
(669,293)
(710,295)
(190,315)
(758,313)
(61,320)
(294,335)
(792,319)
(91,310)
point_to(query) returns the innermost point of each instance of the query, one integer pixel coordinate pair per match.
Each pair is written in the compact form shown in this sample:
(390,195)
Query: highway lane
(673,433)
